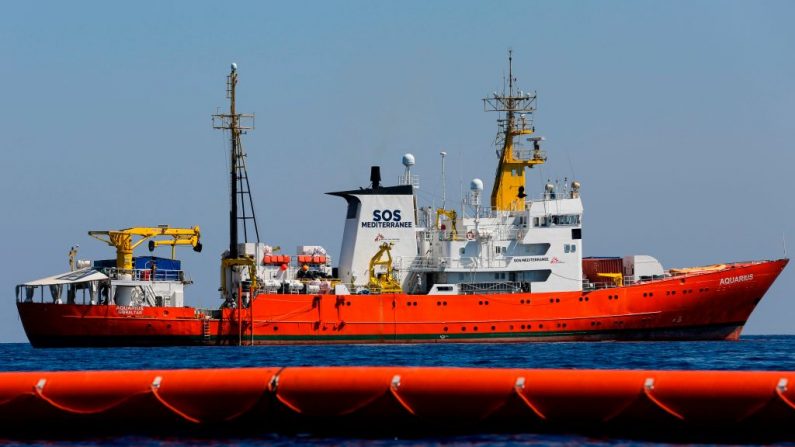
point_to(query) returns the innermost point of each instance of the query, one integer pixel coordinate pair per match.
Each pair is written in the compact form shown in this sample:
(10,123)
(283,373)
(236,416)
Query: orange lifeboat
(459,399)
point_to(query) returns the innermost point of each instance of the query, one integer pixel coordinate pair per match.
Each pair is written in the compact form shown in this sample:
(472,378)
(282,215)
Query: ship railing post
(239,315)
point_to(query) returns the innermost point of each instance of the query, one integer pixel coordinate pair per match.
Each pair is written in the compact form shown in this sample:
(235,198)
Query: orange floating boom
(404,399)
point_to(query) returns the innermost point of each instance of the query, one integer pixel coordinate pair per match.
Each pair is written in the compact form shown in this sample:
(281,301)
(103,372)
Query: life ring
(470,235)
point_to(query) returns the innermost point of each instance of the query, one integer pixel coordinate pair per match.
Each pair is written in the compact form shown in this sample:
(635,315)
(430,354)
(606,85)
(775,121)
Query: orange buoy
(355,398)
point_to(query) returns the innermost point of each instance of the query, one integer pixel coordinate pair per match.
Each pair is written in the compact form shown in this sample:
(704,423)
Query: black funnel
(375,176)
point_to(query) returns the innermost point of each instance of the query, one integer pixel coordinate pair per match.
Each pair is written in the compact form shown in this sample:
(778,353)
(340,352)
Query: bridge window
(566,219)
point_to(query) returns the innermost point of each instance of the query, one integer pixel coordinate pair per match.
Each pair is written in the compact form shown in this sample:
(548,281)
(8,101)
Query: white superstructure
(538,249)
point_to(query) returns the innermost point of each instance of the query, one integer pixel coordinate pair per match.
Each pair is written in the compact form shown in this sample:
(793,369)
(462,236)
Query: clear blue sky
(675,115)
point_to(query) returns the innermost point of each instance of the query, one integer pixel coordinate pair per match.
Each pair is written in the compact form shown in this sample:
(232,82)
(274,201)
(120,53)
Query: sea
(750,353)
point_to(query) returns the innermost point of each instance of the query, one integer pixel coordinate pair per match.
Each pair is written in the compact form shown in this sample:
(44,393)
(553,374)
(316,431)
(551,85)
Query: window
(537,249)
(565,248)
(566,219)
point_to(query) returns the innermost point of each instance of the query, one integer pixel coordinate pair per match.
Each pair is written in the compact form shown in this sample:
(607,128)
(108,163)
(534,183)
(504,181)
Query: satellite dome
(408,160)
(476,185)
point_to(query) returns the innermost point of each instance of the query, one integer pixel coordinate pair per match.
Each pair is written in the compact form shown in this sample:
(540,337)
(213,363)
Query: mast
(239,188)
(508,192)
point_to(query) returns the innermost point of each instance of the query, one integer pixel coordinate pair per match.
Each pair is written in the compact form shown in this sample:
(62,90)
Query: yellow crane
(124,241)
(451,215)
(386,281)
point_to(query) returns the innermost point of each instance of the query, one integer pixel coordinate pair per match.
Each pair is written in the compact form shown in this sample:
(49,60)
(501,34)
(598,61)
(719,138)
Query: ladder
(149,295)
(205,331)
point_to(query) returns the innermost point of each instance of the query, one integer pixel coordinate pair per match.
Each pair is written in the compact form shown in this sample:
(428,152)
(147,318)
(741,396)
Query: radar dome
(476,185)
(408,160)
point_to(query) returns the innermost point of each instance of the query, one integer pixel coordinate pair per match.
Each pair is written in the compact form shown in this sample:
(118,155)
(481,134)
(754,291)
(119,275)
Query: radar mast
(240,191)
(508,193)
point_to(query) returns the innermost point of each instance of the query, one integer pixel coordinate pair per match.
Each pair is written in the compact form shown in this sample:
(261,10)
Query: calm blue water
(751,353)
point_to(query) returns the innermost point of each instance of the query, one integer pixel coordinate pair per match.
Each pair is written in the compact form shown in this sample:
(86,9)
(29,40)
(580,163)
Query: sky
(675,116)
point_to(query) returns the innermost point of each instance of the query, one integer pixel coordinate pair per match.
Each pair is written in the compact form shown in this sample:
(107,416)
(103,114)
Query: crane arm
(124,243)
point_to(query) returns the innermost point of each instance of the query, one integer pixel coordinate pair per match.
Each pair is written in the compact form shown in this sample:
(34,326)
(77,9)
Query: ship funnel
(375,176)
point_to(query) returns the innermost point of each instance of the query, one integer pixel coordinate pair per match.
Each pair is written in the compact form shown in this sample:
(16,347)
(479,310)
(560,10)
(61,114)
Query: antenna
(240,190)
(444,192)
(73,257)
(510,71)
(518,107)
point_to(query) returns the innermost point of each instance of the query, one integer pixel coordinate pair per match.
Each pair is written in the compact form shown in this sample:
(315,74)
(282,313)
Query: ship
(503,268)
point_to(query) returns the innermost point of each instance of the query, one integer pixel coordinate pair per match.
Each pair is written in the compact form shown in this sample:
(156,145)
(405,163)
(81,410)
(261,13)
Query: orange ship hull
(708,305)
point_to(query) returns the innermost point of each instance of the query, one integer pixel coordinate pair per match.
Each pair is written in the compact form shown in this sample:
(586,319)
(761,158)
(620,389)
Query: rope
(39,388)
